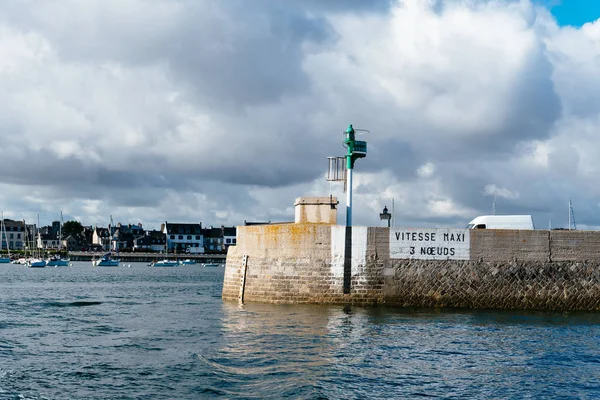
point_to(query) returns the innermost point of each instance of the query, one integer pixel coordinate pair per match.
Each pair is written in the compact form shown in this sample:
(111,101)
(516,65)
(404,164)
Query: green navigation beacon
(340,168)
(356,149)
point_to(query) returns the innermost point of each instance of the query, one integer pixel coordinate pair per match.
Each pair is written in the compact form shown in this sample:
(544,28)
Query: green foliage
(71,228)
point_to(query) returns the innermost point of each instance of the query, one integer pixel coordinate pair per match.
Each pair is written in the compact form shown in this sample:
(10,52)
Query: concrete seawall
(504,269)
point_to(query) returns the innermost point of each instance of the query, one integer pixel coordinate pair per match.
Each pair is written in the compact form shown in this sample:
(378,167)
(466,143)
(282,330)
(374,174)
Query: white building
(183,236)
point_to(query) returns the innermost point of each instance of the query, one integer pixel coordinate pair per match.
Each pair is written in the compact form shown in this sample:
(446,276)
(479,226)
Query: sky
(225,111)
(572,12)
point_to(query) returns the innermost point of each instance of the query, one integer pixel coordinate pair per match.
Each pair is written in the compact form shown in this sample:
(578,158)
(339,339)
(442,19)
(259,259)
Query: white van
(502,222)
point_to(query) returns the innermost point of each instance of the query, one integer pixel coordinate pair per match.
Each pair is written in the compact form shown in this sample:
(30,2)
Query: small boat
(36,263)
(164,263)
(188,262)
(4,260)
(106,261)
(56,261)
(211,265)
(34,260)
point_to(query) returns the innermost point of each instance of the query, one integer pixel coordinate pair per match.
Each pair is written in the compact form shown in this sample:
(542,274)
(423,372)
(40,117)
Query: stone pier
(502,269)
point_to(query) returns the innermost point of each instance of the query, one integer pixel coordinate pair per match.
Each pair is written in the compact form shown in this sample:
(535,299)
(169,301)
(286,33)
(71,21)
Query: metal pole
(349,141)
(393,213)
(349,199)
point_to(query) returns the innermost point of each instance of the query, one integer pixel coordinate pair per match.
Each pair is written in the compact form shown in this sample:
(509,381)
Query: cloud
(225,111)
(493,190)
(426,170)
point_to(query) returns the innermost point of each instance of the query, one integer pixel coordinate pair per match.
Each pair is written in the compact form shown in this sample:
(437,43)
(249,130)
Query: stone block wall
(296,263)
(575,246)
(501,285)
(304,263)
(287,263)
(503,245)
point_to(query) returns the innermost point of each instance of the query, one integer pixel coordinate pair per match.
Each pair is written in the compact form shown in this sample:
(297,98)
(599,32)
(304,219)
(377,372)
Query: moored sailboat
(164,263)
(106,261)
(34,261)
(56,260)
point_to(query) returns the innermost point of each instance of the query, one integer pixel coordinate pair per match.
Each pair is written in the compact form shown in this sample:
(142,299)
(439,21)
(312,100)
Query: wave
(72,304)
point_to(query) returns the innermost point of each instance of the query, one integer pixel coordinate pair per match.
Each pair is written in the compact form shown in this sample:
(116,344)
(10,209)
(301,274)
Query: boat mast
(110,234)
(4,227)
(571,216)
(3,235)
(7,243)
(25,239)
(60,233)
(38,238)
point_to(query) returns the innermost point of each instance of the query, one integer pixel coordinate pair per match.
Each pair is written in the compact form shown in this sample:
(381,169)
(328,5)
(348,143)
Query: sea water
(137,332)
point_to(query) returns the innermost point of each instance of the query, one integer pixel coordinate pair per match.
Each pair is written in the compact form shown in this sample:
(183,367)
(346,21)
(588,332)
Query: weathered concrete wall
(505,245)
(304,263)
(298,263)
(286,263)
(315,210)
(575,246)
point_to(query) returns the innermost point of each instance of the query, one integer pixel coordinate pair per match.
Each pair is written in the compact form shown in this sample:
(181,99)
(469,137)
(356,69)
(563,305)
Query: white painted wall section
(359,249)
(430,244)
(338,249)
(338,234)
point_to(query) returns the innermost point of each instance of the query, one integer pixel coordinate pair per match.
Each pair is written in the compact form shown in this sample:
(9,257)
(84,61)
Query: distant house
(229,236)
(121,240)
(151,241)
(88,232)
(179,237)
(122,236)
(52,230)
(48,241)
(101,237)
(76,242)
(14,236)
(213,240)
(53,238)
(136,230)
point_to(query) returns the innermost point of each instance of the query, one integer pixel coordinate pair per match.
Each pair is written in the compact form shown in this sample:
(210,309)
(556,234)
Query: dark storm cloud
(394,155)
(229,53)
(256,60)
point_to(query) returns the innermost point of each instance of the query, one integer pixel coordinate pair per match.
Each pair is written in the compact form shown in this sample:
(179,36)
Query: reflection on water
(304,351)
